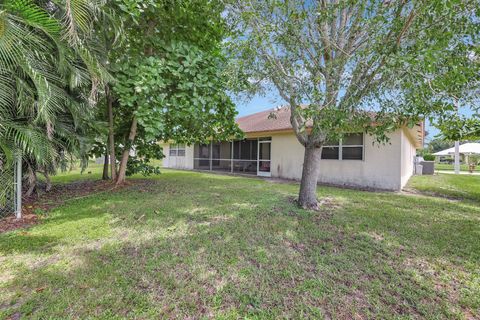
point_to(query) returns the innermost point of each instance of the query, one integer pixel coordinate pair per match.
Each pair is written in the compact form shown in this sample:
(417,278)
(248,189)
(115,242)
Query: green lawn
(448,185)
(75,174)
(450,167)
(194,245)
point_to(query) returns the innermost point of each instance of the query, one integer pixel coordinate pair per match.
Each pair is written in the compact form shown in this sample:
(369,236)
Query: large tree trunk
(111,138)
(126,152)
(105,167)
(307,197)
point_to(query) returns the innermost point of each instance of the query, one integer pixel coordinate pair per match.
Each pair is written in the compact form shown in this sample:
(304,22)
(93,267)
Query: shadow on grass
(196,246)
(23,242)
(247,271)
(434,228)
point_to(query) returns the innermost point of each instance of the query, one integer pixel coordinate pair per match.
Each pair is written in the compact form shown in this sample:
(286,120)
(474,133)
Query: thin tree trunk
(307,197)
(30,190)
(105,167)
(48,182)
(32,181)
(111,138)
(126,152)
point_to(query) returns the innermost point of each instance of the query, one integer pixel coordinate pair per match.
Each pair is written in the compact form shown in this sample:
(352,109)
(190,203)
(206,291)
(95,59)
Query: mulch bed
(44,201)
(11,223)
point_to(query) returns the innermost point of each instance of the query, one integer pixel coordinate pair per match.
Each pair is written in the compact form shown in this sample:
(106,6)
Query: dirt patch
(11,223)
(299,247)
(15,316)
(324,203)
(35,206)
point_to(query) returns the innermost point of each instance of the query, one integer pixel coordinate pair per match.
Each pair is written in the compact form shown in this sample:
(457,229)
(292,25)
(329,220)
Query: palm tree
(49,74)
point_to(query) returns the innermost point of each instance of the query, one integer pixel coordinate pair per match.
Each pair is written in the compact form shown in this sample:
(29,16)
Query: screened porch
(249,156)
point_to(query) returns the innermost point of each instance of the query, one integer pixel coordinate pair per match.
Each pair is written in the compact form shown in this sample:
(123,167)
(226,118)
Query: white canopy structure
(466,149)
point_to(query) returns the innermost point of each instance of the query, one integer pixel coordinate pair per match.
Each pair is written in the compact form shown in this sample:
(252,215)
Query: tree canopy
(73,71)
(48,75)
(169,75)
(359,65)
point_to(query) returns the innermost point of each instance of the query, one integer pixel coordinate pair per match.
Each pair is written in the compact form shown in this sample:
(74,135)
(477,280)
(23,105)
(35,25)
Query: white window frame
(176,147)
(340,147)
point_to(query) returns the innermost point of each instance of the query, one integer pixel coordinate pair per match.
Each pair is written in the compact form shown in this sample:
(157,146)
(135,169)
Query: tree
(454,127)
(170,82)
(349,66)
(438,144)
(49,75)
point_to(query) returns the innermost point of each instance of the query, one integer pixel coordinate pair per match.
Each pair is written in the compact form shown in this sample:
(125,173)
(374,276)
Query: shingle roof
(260,121)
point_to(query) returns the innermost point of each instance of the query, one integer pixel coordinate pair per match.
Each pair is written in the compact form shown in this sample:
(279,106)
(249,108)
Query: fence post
(18,204)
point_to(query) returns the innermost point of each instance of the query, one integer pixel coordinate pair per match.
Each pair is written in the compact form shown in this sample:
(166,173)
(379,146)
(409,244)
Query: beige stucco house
(272,150)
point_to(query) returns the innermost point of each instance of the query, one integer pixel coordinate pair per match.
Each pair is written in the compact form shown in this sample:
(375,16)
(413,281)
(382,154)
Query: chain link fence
(10,188)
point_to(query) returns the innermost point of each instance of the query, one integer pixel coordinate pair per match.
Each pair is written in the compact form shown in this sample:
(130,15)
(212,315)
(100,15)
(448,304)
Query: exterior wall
(408,153)
(385,166)
(381,167)
(185,162)
(166,152)
(286,156)
(188,161)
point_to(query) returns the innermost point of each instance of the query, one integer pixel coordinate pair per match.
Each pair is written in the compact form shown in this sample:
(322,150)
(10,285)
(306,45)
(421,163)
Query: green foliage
(429,157)
(153,23)
(143,162)
(166,62)
(139,165)
(455,127)
(439,144)
(170,74)
(179,95)
(474,159)
(48,77)
(347,63)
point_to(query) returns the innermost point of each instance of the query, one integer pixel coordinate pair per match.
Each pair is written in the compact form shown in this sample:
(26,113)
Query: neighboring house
(271,149)
(465,150)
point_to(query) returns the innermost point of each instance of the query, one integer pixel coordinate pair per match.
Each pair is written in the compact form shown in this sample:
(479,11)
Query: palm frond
(50,65)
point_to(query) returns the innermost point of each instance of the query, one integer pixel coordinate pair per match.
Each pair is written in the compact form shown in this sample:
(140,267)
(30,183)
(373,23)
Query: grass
(449,185)
(93,171)
(197,245)
(450,167)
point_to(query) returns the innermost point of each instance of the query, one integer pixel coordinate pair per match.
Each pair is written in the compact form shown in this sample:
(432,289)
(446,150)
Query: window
(177,150)
(352,147)
(331,152)
(349,148)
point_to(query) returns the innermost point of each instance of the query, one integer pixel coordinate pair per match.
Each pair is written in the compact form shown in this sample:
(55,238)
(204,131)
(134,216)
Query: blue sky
(258,103)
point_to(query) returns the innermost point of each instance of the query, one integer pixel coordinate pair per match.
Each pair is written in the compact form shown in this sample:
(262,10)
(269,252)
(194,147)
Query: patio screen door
(264,157)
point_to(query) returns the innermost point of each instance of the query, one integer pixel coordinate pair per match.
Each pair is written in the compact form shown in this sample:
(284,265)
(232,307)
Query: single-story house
(271,149)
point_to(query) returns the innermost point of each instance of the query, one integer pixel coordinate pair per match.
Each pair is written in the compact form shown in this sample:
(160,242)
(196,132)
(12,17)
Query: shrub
(428,157)
(474,159)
